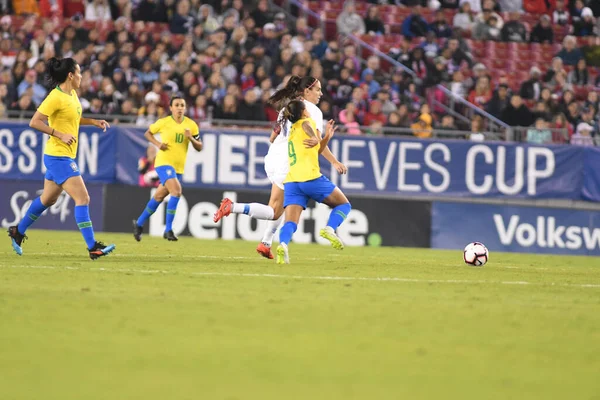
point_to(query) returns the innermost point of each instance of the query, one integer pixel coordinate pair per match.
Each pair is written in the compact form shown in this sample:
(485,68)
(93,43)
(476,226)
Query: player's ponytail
(288,92)
(293,111)
(58,70)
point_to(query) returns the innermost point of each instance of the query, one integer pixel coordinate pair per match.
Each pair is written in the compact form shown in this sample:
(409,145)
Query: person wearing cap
(269,40)
(531,88)
(583,135)
(349,22)
(542,32)
(586,24)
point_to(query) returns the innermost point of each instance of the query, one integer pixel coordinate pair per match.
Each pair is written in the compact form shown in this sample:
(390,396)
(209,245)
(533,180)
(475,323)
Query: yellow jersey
(304,163)
(172,134)
(64,113)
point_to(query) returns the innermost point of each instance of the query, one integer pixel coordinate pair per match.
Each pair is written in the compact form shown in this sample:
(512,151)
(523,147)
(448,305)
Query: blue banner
(515,229)
(234,159)
(16,197)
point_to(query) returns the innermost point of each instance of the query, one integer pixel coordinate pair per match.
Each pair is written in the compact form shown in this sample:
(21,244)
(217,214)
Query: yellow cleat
(282,254)
(329,234)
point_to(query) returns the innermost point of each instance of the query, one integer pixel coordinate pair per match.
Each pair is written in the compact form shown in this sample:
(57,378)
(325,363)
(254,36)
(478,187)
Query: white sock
(272,227)
(254,210)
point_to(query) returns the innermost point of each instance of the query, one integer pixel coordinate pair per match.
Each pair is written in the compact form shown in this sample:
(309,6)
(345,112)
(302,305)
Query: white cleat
(329,234)
(283,256)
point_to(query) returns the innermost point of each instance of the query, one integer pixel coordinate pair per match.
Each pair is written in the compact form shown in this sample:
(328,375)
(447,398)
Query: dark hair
(293,111)
(294,88)
(176,97)
(58,70)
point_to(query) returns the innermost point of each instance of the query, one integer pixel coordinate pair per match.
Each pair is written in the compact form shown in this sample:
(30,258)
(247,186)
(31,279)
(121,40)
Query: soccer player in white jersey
(276,161)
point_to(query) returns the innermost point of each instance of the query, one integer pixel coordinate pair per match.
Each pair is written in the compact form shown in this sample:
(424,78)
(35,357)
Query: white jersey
(276,160)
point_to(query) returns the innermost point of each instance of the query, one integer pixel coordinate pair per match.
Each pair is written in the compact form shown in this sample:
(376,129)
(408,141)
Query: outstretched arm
(100,123)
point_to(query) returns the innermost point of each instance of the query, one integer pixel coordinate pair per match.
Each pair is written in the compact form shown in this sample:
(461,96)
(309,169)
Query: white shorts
(277,169)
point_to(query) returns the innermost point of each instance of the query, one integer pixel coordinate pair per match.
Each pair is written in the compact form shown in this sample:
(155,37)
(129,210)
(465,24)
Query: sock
(287,230)
(84,223)
(148,211)
(171,208)
(270,231)
(254,210)
(33,213)
(338,215)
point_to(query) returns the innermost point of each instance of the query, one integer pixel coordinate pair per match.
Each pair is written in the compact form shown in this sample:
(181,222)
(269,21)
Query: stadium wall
(378,166)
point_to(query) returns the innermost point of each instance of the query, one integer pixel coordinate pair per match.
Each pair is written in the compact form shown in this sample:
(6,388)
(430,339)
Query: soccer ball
(476,254)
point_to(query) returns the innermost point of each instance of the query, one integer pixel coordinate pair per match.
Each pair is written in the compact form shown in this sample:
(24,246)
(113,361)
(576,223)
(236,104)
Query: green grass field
(212,320)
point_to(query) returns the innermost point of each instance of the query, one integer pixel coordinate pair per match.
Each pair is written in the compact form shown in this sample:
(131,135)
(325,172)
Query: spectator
(373,22)
(588,116)
(262,15)
(560,15)
(269,41)
(457,86)
(447,123)
(476,134)
(542,32)
(415,25)
(486,14)
(374,114)
(440,26)
(252,108)
(499,101)
(422,127)
(151,11)
(585,26)
(464,19)
(148,176)
(482,93)
(560,122)
(474,5)
(593,101)
(579,76)
(430,45)
(489,29)
(458,56)
(206,19)
(531,88)
(583,135)
(541,110)
(348,118)
(375,129)
(150,112)
(449,4)
(437,72)
(97,10)
(570,54)
(387,105)
(38,92)
(228,109)
(512,5)
(540,134)
(395,121)
(514,30)
(24,108)
(516,113)
(591,51)
(25,7)
(349,22)
(182,21)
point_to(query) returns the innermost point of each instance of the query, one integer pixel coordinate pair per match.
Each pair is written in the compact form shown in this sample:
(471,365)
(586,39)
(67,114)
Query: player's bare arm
(196,143)
(150,137)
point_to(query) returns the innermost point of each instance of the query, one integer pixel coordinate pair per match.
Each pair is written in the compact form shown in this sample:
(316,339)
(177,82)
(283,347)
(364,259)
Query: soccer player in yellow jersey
(304,180)
(59,116)
(176,133)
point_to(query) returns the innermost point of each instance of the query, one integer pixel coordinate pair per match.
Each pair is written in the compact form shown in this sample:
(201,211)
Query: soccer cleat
(329,234)
(170,236)
(17,239)
(283,256)
(224,209)
(100,249)
(264,251)
(137,231)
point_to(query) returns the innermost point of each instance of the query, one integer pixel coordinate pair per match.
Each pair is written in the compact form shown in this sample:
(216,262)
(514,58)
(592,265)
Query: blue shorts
(59,169)
(166,172)
(299,193)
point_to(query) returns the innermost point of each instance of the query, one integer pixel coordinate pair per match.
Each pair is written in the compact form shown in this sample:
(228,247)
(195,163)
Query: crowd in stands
(228,56)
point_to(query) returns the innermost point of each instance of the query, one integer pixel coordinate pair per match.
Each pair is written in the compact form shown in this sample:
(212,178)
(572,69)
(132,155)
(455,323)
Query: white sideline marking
(308,277)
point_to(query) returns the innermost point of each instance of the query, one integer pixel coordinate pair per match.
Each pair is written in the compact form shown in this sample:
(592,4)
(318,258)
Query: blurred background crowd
(529,63)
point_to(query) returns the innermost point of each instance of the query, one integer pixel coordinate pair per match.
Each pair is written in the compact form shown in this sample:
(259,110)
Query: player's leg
(138,225)
(276,203)
(327,193)
(75,187)
(173,185)
(254,210)
(38,206)
(294,201)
